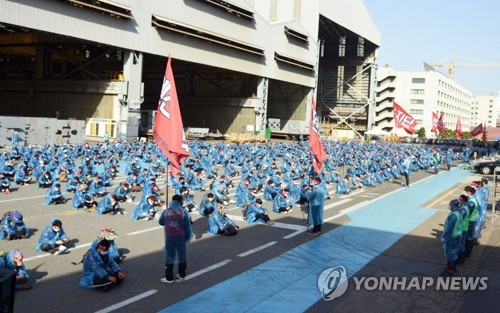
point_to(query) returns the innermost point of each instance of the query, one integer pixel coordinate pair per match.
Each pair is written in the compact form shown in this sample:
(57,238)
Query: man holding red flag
(317,149)
(403,119)
(168,131)
(458,129)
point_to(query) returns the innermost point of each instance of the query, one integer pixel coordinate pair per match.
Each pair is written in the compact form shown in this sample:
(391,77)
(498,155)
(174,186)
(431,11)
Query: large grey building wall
(138,34)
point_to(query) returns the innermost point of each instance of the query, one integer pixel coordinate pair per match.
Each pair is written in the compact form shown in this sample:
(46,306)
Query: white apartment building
(484,109)
(420,93)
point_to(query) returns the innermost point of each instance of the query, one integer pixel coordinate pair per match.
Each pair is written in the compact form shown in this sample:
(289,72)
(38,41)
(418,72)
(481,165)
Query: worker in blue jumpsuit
(452,238)
(316,199)
(178,233)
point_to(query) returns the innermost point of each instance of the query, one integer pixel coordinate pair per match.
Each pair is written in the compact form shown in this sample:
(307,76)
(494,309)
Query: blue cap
(16,217)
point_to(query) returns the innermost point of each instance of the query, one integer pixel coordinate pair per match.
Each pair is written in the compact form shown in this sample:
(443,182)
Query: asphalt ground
(214,259)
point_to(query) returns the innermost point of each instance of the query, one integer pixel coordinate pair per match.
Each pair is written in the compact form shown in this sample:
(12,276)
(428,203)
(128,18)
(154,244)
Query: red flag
(315,140)
(458,129)
(403,119)
(440,124)
(477,130)
(168,131)
(484,134)
(434,122)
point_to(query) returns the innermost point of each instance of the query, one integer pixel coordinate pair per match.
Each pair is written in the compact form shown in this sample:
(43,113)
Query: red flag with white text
(317,149)
(477,130)
(458,129)
(168,131)
(434,122)
(440,124)
(403,119)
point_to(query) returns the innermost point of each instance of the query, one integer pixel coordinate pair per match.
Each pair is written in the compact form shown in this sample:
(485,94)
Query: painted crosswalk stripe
(128,301)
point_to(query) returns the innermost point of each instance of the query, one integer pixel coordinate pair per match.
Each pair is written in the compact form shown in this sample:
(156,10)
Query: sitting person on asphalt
(123,193)
(4,184)
(53,238)
(54,195)
(14,261)
(99,268)
(281,202)
(109,205)
(12,226)
(255,213)
(220,224)
(208,205)
(145,210)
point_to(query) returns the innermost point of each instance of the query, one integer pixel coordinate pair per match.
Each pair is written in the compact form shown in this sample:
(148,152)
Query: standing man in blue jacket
(177,234)
(316,205)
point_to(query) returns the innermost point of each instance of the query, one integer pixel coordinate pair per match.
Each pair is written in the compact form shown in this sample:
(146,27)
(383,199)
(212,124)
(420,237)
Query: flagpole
(166,188)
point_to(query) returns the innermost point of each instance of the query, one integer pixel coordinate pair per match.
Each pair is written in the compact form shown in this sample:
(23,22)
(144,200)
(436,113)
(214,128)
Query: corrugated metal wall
(62,105)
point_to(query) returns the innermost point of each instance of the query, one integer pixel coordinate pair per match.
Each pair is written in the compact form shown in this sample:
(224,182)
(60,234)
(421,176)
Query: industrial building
(239,65)
(421,93)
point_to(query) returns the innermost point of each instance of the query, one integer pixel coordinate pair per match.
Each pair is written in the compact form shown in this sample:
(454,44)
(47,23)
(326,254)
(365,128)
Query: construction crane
(451,66)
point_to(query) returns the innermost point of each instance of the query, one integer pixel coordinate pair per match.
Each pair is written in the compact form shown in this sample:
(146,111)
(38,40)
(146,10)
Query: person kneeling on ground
(220,224)
(99,269)
(256,214)
(53,238)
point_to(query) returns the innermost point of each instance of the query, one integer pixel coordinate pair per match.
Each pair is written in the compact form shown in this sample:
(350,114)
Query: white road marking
(267,245)
(337,203)
(17,199)
(144,231)
(347,210)
(48,254)
(207,269)
(128,301)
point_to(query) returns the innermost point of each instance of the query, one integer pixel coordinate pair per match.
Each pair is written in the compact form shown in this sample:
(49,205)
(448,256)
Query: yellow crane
(451,66)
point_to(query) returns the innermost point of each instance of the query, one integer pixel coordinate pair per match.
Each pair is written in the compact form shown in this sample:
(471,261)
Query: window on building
(417,91)
(418,80)
(416,101)
(413,111)
(361,46)
(342,42)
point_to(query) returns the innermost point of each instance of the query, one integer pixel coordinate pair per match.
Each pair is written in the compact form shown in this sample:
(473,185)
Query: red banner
(317,149)
(458,129)
(484,134)
(403,119)
(440,124)
(168,131)
(477,130)
(434,122)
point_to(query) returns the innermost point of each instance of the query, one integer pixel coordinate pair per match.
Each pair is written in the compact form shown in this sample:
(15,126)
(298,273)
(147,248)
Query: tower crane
(451,66)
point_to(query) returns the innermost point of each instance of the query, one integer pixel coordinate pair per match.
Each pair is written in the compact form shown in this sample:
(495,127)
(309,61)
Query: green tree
(466,135)
(449,133)
(421,132)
